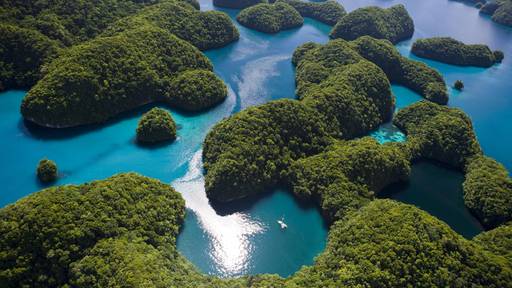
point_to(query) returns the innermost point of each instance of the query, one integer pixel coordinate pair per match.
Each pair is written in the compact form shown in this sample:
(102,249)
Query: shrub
(47,171)
(488,191)
(156,125)
(270,18)
(459,85)
(393,24)
(328,12)
(439,133)
(196,90)
(451,51)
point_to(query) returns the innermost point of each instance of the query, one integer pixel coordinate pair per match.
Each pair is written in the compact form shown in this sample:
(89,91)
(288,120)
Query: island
(393,24)
(458,85)
(47,171)
(270,18)
(414,75)
(348,174)
(446,135)
(237,4)
(328,12)
(500,11)
(451,51)
(135,62)
(196,90)
(487,191)
(33,33)
(45,31)
(249,152)
(438,133)
(87,84)
(205,30)
(156,125)
(123,230)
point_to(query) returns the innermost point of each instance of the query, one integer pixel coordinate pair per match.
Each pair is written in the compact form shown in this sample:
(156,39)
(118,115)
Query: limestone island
(270,18)
(328,12)
(451,51)
(156,125)
(47,171)
(393,24)
(136,61)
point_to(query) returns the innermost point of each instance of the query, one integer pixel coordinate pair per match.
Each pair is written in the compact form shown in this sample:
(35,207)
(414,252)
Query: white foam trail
(247,47)
(251,88)
(229,234)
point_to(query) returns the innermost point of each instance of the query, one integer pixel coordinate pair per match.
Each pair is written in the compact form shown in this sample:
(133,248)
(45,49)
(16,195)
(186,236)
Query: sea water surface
(244,237)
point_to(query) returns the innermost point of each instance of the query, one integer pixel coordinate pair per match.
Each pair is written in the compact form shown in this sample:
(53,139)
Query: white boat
(282,224)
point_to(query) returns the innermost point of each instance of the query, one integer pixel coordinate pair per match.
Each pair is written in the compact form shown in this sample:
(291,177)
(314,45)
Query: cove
(257,69)
(438,190)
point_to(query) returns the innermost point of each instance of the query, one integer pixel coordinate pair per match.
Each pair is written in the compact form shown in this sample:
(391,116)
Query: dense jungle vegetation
(270,18)
(205,30)
(451,51)
(414,75)
(328,12)
(47,171)
(439,133)
(348,174)
(94,81)
(57,91)
(32,32)
(121,232)
(393,24)
(156,125)
(136,61)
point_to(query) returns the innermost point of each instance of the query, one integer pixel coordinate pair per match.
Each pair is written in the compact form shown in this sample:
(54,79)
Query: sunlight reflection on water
(229,235)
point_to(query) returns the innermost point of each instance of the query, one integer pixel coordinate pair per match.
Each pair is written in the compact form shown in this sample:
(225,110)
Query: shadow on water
(34,130)
(437,189)
(248,203)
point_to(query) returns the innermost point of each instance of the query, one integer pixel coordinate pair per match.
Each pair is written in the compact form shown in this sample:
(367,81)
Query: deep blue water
(257,69)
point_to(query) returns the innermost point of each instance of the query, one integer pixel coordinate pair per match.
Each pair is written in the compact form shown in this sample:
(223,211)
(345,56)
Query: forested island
(270,18)
(393,24)
(328,12)
(156,125)
(78,89)
(499,10)
(451,51)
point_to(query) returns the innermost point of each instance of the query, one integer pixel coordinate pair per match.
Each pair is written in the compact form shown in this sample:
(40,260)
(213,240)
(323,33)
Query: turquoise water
(245,238)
